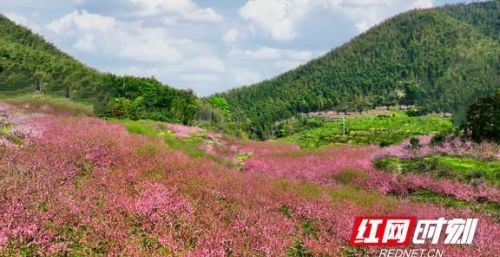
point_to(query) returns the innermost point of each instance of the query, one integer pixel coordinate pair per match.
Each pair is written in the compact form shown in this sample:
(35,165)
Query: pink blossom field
(81,186)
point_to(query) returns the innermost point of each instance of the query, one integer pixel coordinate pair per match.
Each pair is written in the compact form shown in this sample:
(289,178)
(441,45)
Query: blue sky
(207,45)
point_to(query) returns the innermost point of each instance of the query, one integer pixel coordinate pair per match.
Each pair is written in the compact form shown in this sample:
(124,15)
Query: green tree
(483,119)
(220,103)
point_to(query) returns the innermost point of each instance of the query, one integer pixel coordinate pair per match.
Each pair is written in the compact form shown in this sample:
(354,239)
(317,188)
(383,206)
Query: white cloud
(169,21)
(21,20)
(294,59)
(359,3)
(202,63)
(280,18)
(82,21)
(79,2)
(141,50)
(126,40)
(85,44)
(243,76)
(277,17)
(280,59)
(262,53)
(368,13)
(185,9)
(232,36)
(201,15)
(422,4)
(200,78)
(301,55)
(268,53)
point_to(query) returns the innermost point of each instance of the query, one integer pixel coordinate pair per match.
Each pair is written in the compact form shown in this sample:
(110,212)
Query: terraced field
(379,130)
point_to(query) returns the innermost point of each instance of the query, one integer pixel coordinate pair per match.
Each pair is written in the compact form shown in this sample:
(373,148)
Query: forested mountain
(439,59)
(29,63)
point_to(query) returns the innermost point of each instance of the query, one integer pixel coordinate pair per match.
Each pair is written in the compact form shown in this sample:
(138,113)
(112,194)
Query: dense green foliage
(465,169)
(191,145)
(220,104)
(28,63)
(427,196)
(381,130)
(141,98)
(215,114)
(483,119)
(57,104)
(439,59)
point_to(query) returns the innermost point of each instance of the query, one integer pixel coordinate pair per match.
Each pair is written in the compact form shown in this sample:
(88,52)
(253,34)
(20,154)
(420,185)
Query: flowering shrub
(86,187)
(326,166)
(156,200)
(14,127)
(318,165)
(452,147)
(183,131)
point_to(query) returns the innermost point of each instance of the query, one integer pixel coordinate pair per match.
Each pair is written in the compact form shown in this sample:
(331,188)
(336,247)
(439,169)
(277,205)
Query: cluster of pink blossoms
(325,165)
(16,127)
(87,187)
(452,147)
(183,131)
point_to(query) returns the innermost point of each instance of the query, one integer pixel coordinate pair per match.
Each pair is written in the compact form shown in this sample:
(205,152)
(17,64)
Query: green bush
(414,112)
(298,249)
(468,170)
(414,143)
(483,119)
(438,139)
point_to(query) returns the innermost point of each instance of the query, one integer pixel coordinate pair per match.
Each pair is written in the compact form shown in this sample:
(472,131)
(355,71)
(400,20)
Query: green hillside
(376,130)
(438,59)
(28,63)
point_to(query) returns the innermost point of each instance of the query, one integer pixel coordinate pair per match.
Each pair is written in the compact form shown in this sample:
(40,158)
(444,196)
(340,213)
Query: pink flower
(156,200)
(3,237)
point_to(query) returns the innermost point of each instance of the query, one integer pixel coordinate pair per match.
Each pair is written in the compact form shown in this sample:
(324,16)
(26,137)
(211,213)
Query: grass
(465,169)
(4,132)
(347,176)
(4,129)
(380,130)
(153,129)
(427,196)
(190,145)
(57,103)
(349,251)
(363,199)
(141,127)
(298,249)
(241,158)
(368,200)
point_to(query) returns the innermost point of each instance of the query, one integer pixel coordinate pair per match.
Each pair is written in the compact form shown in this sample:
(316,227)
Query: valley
(83,186)
(401,121)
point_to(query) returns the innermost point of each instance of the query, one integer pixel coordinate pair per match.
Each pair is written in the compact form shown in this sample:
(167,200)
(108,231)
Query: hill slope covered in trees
(29,63)
(439,59)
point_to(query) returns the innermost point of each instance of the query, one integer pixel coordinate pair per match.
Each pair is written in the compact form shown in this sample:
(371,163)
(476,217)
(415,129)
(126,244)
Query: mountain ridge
(436,55)
(30,63)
